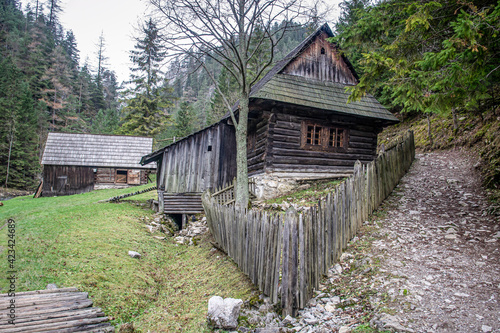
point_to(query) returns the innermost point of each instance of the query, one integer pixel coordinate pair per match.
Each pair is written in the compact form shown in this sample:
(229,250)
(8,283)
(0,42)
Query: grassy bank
(75,241)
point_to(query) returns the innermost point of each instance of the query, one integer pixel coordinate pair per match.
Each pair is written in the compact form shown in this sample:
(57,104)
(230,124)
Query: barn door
(134,177)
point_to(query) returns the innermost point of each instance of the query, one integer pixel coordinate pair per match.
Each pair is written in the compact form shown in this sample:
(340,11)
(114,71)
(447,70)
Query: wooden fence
(225,194)
(300,247)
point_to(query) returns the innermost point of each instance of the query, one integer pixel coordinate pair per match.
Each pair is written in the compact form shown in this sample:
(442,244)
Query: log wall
(284,151)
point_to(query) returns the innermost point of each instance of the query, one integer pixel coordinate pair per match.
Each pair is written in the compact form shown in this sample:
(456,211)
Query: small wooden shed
(300,125)
(78,163)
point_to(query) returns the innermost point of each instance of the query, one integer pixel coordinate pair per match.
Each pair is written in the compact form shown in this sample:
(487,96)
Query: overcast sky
(118,21)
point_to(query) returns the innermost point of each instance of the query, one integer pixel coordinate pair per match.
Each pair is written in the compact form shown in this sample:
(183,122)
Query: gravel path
(429,261)
(443,248)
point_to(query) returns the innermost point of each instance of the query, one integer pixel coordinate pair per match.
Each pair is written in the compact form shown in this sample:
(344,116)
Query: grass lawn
(73,241)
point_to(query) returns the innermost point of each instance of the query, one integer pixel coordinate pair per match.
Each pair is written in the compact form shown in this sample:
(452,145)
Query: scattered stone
(289,320)
(461,295)
(330,307)
(385,321)
(134,254)
(311,321)
(151,228)
(270,330)
(159,237)
(345,329)
(51,286)
(181,240)
(224,313)
(486,328)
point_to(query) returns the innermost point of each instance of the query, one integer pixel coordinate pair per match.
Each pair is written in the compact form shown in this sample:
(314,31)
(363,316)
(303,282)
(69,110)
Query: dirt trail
(440,248)
(428,261)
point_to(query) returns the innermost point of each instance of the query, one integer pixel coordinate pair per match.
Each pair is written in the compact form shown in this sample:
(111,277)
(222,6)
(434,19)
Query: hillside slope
(480,134)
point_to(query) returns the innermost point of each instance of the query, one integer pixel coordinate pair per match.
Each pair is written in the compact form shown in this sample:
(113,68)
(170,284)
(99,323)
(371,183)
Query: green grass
(73,241)
(310,196)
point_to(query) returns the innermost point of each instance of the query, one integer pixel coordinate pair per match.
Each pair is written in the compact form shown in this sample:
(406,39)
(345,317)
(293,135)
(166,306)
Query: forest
(419,58)
(45,86)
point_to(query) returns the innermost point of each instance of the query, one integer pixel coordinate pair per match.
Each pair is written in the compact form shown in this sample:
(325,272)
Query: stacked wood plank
(300,247)
(54,310)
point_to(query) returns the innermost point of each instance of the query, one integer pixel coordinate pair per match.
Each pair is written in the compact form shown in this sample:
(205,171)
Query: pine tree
(183,119)
(18,128)
(97,91)
(146,109)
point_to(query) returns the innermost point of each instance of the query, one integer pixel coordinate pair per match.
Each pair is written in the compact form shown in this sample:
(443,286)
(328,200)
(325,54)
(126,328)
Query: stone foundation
(275,184)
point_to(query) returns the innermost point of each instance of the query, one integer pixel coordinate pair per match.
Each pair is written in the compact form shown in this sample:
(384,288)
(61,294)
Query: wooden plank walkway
(62,310)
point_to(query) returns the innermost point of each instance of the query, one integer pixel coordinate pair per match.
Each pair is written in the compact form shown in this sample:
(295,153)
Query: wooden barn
(78,163)
(300,126)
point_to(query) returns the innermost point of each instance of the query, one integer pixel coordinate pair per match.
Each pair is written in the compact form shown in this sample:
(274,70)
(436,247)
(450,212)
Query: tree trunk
(10,153)
(241,130)
(429,132)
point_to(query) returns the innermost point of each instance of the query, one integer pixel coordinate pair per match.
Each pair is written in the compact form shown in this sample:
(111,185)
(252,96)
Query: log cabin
(78,163)
(300,127)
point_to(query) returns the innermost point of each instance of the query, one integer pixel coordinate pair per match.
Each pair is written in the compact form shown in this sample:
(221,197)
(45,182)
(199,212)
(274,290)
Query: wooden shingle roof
(96,150)
(328,96)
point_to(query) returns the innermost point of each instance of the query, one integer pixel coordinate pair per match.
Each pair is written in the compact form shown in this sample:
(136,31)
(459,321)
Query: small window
(336,137)
(121,176)
(314,135)
(322,50)
(209,148)
(319,137)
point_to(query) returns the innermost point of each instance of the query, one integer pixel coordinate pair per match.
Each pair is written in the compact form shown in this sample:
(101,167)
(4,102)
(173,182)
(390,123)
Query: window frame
(324,137)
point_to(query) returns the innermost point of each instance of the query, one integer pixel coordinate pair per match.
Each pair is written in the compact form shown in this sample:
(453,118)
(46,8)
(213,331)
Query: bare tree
(235,33)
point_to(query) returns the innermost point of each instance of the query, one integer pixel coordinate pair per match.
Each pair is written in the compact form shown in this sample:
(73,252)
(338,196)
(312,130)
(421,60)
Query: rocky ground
(428,261)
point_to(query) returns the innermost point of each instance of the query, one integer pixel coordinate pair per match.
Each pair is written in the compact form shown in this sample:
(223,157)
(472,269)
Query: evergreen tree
(18,129)
(146,109)
(106,122)
(434,57)
(184,119)
(98,91)
(227,85)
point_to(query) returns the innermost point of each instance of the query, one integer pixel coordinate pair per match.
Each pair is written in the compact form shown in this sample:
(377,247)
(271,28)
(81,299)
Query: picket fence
(285,255)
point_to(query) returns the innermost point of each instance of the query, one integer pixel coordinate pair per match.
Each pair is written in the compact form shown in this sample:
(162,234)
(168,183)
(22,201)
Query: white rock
(461,295)
(345,329)
(223,313)
(134,254)
(486,329)
(330,307)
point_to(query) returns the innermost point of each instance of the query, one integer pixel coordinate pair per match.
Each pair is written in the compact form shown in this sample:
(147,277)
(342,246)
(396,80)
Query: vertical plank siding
(199,162)
(67,180)
(301,247)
